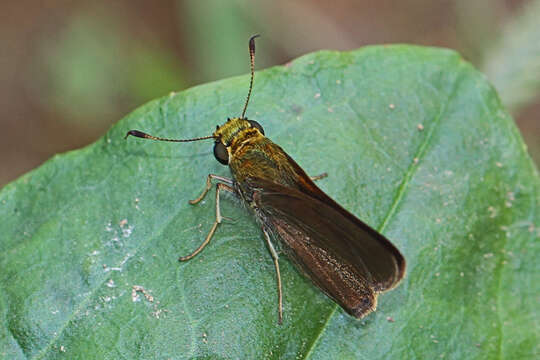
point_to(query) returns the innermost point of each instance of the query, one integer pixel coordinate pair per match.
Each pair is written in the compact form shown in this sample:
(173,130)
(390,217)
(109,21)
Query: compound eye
(221,154)
(257,126)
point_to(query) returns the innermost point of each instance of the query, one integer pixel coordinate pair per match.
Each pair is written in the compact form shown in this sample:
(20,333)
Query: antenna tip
(135,133)
(252,42)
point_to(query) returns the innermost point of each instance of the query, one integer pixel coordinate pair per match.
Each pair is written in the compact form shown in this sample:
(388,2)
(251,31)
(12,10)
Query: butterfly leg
(319,177)
(278,275)
(219,218)
(209,185)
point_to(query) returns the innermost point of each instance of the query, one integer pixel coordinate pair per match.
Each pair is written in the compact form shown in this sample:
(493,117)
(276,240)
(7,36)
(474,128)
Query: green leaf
(415,142)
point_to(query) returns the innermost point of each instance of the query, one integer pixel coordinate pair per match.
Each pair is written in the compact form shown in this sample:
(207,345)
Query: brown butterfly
(348,260)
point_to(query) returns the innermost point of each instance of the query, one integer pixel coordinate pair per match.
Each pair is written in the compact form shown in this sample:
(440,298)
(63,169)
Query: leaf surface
(416,143)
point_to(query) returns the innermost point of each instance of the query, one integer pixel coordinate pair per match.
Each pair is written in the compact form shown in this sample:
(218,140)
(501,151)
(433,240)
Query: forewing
(343,256)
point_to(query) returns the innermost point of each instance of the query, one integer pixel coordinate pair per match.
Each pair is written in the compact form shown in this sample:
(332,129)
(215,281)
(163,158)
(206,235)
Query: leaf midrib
(411,171)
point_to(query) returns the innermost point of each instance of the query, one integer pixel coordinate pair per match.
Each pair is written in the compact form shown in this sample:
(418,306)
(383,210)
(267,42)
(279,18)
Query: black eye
(221,154)
(257,126)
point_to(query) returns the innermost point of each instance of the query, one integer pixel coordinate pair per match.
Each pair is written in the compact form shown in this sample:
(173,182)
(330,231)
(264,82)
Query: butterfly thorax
(251,154)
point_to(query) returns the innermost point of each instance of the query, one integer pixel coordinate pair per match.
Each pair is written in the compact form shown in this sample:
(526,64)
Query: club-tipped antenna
(144,135)
(252,63)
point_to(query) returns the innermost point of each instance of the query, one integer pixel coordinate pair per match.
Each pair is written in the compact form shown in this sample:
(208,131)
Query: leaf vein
(92,292)
(399,196)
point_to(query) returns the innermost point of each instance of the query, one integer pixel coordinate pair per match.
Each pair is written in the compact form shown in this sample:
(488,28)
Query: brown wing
(343,256)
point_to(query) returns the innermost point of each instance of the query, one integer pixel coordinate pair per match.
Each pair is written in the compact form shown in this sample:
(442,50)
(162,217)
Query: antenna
(143,135)
(252,62)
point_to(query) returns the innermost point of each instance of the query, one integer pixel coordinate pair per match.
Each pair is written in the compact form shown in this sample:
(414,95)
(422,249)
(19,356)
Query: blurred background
(70,69)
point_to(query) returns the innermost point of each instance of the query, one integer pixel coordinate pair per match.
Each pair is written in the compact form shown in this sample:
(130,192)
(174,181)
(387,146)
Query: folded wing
(343,256)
